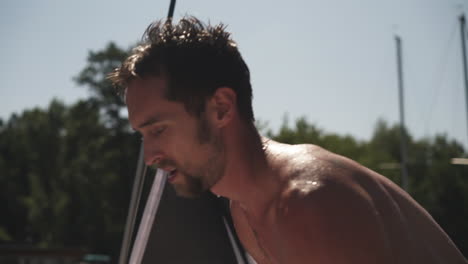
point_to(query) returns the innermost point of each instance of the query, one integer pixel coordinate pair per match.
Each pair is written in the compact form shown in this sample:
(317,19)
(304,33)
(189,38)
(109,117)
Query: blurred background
(323,72)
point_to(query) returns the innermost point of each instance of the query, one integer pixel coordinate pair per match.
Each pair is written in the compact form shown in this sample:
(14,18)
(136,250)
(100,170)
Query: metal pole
(170,14)
(133,207)
(462,31)
(404,171)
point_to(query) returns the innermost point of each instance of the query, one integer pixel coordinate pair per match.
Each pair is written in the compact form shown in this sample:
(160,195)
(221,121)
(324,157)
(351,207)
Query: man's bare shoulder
(308,162)
(319,179)
(325,213)
(330,222)
(334,210)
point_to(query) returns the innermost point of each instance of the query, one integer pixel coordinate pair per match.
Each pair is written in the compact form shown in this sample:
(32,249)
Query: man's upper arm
(337,223)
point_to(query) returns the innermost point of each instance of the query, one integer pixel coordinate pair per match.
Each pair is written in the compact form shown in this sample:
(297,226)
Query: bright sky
(332,61)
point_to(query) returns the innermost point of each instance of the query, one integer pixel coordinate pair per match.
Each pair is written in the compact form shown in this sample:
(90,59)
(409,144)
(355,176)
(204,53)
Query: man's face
(185,146)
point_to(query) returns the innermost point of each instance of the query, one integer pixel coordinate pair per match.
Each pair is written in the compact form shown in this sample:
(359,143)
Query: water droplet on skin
(305,186)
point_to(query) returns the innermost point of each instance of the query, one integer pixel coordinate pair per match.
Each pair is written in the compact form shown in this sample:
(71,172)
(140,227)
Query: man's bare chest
(259,237)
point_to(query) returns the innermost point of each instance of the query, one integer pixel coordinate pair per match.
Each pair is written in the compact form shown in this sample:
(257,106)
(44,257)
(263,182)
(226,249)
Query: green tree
(93,76)
(66,171)
(30,145)
(108,151)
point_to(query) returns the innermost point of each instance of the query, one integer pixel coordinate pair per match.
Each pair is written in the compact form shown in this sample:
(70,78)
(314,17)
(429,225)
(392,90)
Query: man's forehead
(151,83)
(145,117)
(144,91)
(144,99)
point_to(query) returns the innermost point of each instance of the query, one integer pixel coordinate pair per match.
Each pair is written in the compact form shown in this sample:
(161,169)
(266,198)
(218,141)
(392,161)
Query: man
(188,93)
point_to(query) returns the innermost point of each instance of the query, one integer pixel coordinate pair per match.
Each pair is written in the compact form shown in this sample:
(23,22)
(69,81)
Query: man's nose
(152,155)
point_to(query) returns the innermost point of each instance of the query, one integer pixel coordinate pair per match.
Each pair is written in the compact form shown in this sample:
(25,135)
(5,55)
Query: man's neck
(249,178)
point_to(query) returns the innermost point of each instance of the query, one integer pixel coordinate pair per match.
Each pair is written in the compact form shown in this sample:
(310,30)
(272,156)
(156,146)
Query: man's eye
(158,131)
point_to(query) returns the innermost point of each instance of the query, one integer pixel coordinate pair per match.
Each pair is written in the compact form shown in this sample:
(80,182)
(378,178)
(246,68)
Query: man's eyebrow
(148,122)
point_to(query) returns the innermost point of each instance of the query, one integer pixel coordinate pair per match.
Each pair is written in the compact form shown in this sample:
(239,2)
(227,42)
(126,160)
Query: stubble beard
(209,173)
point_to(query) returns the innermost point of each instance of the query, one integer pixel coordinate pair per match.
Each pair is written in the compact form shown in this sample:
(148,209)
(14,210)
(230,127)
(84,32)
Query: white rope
(236,249)
(147,220)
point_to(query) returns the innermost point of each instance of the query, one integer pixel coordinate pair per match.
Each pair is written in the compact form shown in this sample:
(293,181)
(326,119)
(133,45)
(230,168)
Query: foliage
(66,171)
(93,76)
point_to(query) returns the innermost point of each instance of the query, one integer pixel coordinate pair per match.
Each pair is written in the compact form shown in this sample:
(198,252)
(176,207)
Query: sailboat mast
(404,171)
(462,34)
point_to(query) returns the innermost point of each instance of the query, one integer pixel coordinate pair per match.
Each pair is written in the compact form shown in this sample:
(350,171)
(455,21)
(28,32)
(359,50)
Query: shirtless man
(188,93)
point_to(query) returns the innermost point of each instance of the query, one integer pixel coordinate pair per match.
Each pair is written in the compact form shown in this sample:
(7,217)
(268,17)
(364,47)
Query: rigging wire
(454,98)
(438,79)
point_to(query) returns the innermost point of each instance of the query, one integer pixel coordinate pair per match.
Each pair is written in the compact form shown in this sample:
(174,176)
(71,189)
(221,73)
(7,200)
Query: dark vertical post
(404,171)
(170,14)
(462,31)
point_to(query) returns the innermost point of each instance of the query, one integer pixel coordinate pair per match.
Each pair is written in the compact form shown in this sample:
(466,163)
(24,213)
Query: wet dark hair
(196,59)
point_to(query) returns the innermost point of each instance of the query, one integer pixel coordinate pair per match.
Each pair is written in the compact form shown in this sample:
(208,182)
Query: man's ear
(222,106)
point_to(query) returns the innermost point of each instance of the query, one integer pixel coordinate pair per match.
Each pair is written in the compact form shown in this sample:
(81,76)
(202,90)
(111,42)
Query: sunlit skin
(290,203)
(173,140)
